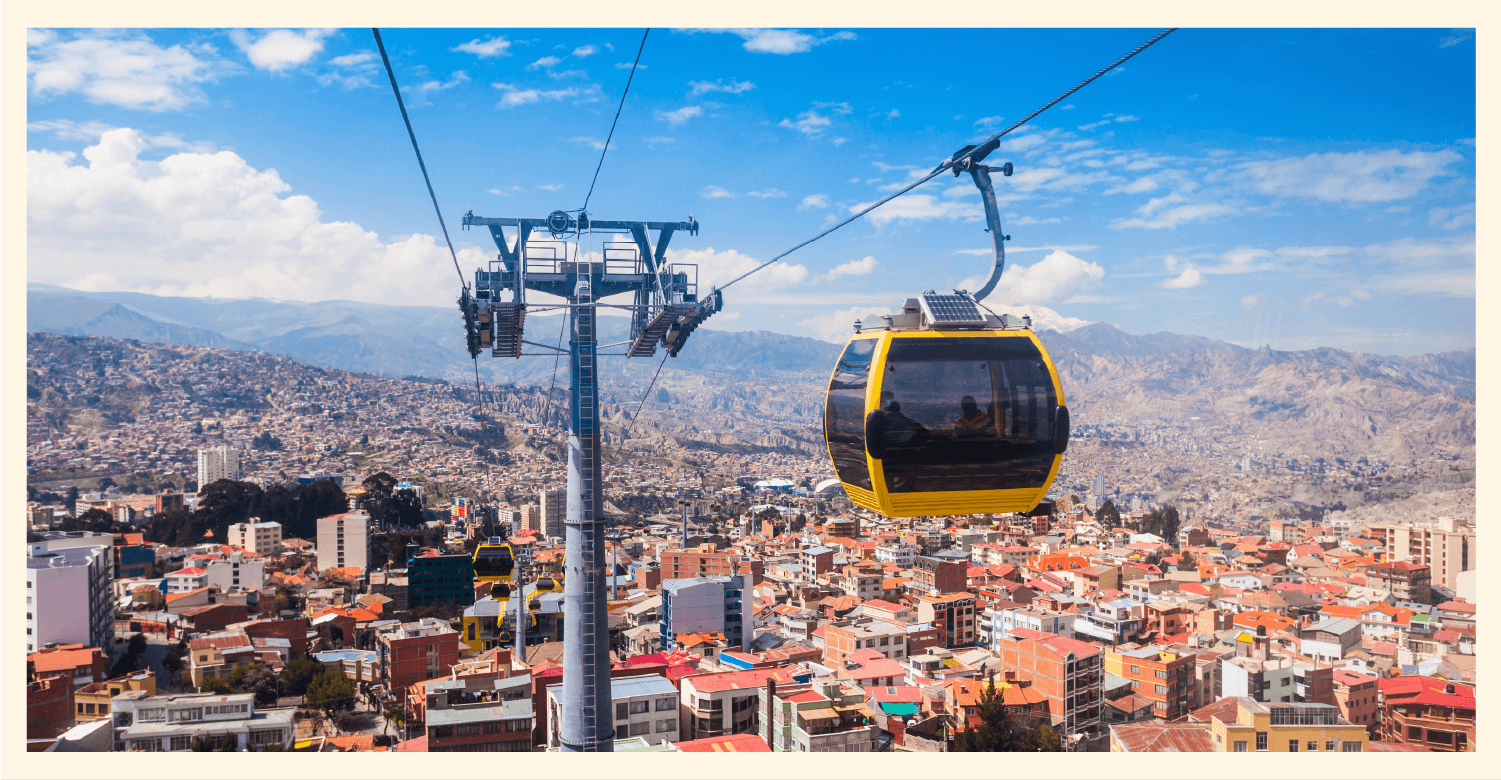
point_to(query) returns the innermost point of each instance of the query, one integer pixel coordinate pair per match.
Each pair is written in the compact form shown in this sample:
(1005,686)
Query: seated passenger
(901,429)
(972,422)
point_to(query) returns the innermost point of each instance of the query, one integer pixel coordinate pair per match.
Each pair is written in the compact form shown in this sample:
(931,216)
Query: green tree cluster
(998,732)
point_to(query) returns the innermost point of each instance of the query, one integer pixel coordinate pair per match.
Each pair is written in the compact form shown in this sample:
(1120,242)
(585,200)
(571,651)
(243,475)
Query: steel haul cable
(479,396)
(627,91)
(946,164)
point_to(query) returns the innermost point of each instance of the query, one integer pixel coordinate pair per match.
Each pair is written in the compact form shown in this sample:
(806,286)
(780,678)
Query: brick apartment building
(1358,698)
(412,652)
(1163,675)
(703,561)
(1067,672)
(954,617)
(1428,712)
(888,639)
(940,577)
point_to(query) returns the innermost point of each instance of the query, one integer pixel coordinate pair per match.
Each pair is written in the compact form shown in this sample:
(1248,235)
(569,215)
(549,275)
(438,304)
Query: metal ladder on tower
(588,437)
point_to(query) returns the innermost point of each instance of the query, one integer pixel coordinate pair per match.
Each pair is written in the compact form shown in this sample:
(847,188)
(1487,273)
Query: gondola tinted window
(967,414)
(844,413)
(493,561)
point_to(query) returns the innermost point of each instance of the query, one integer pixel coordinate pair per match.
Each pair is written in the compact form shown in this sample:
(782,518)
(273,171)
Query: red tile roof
(734,681)
(1163,737)
(735,743)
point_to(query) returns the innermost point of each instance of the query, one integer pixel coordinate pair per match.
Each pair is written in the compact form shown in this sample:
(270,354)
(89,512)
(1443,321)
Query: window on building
(1261,740)
(1352,747)
(638,729)
(671,724)
(1328,746)
(666,703)
(181,743)
(638,707)
(1313,746)
(622,711)
(1292,746)
(1240,746)
(466,730)
(1415,732)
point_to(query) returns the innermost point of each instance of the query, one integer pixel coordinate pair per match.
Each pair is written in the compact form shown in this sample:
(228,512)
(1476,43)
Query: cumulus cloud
(489,48)
(211,224)
(838,326)
(718,85)
(1153,217)
(1250,302)
(550,187)
(919,206)
(351,71)
(279,50)
(809,123)
(1191,277)
(1353,177)
(681,115)
(1056,278)
(814,202)
(69,130)
(719,267)
(781,41)
(768,193)
(1452,219)
(516,96)
(859,267)
(584,51)
(545,62)
(712,191)
(1043,318)
(1144,184)
(129,72)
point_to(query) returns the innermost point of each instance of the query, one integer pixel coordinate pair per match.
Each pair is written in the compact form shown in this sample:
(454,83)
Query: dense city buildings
(784,619)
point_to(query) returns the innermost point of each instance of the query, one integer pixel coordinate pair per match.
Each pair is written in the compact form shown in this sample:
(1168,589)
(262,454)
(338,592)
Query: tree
(175,659)
(1188,563)
(298,675)
(1108,516)
(1170,523)
(137,644)
(998,732)
(71,501)
(330,691)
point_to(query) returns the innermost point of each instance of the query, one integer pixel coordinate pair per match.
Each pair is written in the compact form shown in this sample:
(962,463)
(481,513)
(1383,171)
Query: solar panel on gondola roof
(951,310)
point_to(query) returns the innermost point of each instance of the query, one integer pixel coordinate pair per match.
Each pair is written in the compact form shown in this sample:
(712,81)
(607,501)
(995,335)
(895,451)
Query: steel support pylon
(588,724)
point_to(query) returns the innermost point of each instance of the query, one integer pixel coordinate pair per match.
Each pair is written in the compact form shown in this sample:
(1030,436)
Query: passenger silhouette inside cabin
(900,429)
(972,421)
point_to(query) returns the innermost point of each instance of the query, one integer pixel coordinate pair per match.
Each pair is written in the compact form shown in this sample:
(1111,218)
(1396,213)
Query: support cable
(627,91)
(949,163)
(644,396)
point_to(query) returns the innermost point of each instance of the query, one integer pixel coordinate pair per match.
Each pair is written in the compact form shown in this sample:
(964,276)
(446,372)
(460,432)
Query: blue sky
(1298,188)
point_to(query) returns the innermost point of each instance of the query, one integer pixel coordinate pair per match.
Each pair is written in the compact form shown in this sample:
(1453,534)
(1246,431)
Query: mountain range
(1292,401)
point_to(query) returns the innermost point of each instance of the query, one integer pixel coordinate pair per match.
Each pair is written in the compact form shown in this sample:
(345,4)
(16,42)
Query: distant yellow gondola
(946,411)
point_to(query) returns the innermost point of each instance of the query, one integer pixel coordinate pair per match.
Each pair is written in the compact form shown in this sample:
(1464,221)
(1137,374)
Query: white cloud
(681,115)
(516,96)
(781,41)
(916,206)
(126,72)
(859,267)
(508,191)
(1360,177)
(838,326)
(989,122)
(352,71)
(545,62)
(569,74)
(69,130)
(770,193)
(719,267)
(1250,302)
(809,123)
(628,66)
(495,46)
(1043,318)
(210,224)
(352,60)
(1460,36)
(584,51)
(458,77)
(814,202)
(591,142)
(893,114)
(1189,278)
(712,191)
(550,187)
(1173,217)
(1054,279)
(279,50)
(718,85)
(659,139)
(1144,184)
(1452,219)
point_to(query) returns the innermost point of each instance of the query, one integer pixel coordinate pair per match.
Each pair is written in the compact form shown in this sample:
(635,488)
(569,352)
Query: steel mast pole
(588,725)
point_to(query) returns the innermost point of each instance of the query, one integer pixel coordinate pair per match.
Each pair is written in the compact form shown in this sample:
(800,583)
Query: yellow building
(1287,728)
(92,702)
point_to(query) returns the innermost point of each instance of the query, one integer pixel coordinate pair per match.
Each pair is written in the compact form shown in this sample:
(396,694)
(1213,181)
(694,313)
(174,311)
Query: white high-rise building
(216,463)
(554,507)
(344,541)
(68,596)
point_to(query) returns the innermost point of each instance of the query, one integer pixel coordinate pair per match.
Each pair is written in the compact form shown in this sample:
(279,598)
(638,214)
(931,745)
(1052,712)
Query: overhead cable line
(420,164)
(644,396)
(479,395)
(627,91)
(949,163)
